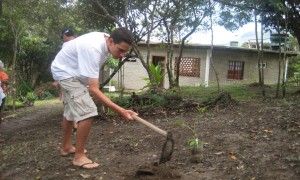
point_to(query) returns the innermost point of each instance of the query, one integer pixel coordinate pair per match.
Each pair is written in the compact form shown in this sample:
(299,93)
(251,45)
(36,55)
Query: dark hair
(122,35)
(68,32)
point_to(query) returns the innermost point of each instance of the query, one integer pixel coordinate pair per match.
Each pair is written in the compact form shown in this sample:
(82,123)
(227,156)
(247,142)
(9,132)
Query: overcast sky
(223,37)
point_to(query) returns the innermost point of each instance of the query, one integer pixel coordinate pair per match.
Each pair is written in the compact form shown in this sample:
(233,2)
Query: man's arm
(94,89)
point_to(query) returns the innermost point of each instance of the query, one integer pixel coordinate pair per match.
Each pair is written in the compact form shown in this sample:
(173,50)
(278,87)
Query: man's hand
(55,84)
(127,115)
(94,89)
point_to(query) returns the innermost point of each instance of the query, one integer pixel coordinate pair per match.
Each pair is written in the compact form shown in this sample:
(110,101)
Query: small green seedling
(202,109)
(195,143)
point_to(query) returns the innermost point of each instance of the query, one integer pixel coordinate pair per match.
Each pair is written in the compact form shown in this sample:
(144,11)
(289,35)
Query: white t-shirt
(81,57)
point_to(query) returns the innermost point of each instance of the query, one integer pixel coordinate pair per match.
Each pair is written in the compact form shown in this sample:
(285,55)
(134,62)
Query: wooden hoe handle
(151,126)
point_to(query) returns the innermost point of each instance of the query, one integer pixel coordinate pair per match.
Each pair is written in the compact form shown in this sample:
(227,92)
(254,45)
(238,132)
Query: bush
(47,88)
(46,95)
(31,96)
(24,88)
(157,100)
(295,80)
(123,102)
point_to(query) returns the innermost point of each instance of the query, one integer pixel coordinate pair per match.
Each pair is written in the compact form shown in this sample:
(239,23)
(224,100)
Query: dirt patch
(147,171)
(250,140)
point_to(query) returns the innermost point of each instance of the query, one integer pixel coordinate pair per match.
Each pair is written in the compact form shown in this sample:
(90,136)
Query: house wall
(192,81)
(221,59)
(134,72)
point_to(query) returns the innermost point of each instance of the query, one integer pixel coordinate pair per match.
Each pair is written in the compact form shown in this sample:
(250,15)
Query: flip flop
(84,164)
(64,154)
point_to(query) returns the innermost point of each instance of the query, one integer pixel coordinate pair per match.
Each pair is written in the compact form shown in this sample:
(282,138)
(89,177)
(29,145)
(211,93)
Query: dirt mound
(152,171)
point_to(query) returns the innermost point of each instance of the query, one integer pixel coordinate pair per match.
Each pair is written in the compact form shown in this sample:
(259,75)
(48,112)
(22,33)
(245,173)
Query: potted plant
(197,150)
(195,144)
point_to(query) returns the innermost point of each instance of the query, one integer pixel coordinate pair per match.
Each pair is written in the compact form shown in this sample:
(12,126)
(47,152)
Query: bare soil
(256,139)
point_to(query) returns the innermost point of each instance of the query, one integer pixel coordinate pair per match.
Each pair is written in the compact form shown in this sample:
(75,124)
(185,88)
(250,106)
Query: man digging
(75,68)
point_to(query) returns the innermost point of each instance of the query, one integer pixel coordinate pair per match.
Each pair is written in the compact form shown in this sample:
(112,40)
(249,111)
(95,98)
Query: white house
(233,65)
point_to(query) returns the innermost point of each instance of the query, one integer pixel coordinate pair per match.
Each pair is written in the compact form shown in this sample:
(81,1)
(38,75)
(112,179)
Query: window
(235,70)
(189,66)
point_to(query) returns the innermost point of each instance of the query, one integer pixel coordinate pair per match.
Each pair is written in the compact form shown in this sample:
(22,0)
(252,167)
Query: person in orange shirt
(4,83)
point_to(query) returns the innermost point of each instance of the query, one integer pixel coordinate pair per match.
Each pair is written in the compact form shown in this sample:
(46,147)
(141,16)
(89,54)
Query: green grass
(47,102)
(9,102)
(241,92)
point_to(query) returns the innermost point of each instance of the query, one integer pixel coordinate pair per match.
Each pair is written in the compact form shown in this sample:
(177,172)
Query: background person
(67,35)
(2,96)
(76,67)
(4,89)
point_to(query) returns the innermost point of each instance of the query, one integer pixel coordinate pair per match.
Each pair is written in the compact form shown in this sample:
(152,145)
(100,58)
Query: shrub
(41,89)
(157,100)
(46,95)
(24,88)
(31,96)
(124,102)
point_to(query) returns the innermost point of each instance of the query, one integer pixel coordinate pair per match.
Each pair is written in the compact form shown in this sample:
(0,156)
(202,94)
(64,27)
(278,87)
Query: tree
(91,12)
(259,48)
(0,8)
(29,38)
(138,16)
(180,20)
(280,11)
(17,25)
(212,46)
(170,17)
(274,15)
(235,13)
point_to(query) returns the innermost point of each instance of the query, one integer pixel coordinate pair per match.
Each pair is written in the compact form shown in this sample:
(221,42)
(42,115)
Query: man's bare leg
(80,159)
(67,146)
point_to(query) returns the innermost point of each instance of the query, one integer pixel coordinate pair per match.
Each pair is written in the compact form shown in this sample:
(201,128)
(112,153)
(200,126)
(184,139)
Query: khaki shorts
(78,104)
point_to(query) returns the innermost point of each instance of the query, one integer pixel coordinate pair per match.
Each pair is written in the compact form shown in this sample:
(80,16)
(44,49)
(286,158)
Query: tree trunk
(262,60)
(170,52)
(16,33)
(279,63)
(112,74)
(212,48)
(258,49)
(181,47)
(13,73)
(279,71)
(284,59)
(0,8)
